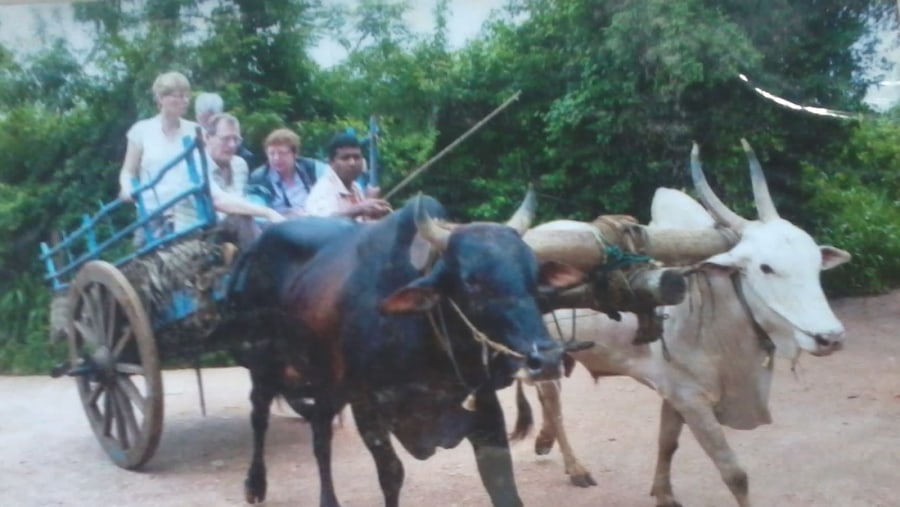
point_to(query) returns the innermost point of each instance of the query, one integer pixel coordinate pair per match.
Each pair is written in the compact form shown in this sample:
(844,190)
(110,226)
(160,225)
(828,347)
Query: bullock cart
(125,310)
(126,307)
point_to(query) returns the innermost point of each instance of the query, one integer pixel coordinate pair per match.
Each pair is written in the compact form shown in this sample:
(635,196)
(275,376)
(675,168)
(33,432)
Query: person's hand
(373,192)
(275,217)
(375,208)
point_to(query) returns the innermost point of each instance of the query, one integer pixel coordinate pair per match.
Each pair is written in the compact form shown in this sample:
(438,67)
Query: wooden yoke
(614,252)
(622,277)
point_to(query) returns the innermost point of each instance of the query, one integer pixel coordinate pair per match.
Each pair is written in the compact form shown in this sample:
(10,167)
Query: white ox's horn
(574,243)
(429,229)
(709,199)
(522,218)
(764,205)
(583,245)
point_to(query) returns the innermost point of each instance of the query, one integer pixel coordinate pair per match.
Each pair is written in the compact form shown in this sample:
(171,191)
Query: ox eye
(765,268)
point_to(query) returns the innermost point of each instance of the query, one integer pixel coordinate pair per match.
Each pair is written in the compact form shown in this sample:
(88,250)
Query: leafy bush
(612,93)
(24,344)
(862,219)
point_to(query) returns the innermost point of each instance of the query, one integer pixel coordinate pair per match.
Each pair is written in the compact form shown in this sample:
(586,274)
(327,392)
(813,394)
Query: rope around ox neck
(483,338)
(441,334)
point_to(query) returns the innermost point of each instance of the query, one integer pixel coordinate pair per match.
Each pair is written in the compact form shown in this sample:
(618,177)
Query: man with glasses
(209,105)
(227,174)
(223,139)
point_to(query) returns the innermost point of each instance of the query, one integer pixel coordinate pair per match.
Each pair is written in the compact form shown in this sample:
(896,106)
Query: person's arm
(322,202)
(129,171)
(237,205)
(369,208)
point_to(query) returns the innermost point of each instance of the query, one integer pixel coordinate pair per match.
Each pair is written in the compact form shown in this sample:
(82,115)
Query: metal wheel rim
(120,383)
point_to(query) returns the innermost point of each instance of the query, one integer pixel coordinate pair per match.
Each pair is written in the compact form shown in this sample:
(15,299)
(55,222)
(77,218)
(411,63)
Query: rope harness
(439,326)
(765,341)
(621,244)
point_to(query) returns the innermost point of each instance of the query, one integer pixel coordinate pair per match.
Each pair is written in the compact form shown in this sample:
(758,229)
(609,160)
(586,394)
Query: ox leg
(670,424)
(545,439)
(377,439)
(261,395)
(548,392)
(489,441)
(699,417)
(321,423)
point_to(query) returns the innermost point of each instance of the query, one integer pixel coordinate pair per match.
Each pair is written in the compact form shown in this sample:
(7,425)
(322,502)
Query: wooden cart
(121,323)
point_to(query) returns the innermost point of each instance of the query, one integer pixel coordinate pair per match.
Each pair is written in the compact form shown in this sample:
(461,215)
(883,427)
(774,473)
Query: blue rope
(617,259)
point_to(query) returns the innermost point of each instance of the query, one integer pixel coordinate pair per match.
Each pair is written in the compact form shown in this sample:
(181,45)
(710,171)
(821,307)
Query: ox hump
(674,209)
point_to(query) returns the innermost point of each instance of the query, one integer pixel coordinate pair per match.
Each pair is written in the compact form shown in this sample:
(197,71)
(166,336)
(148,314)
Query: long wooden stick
(452,145)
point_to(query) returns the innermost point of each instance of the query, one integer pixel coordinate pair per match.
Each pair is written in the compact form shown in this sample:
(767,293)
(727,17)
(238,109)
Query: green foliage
(855,205)
(612,94)
(24,309)
(863,220)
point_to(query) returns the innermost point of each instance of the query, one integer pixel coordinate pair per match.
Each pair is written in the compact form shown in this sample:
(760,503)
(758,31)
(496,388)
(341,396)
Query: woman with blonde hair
(155,142)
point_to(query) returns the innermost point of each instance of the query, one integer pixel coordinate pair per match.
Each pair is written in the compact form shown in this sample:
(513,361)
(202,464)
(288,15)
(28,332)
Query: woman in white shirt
(156,141)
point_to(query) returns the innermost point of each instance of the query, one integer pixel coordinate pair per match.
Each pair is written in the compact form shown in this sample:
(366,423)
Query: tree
(614,93)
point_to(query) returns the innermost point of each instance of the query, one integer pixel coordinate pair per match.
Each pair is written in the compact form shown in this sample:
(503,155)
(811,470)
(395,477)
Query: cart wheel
(115,364)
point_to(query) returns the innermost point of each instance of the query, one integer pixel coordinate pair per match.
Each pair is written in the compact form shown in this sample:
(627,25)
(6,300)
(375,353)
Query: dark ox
(348,318)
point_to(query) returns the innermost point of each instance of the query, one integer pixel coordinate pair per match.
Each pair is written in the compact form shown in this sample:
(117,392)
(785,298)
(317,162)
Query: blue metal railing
(83,244)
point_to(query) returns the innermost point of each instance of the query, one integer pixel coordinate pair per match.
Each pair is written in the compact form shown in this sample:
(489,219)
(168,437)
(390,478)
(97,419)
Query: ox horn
(575,243)
(429,229)
(709,199)
(522,218)
(764,205)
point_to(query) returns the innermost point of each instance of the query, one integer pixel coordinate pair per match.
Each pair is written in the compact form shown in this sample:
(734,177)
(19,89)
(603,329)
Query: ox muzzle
(827,343)
(545,363)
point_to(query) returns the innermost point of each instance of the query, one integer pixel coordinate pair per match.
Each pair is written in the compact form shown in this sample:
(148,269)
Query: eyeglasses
(178,95)
(234,139)
(280,152)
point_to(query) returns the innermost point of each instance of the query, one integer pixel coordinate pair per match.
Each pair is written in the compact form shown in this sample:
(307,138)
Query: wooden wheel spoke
(111,311)
(127,411)
(131,391)
(87,332)
(124,339)
(95,394)
(118,409)
(91,301)
(107,414)
(129,368)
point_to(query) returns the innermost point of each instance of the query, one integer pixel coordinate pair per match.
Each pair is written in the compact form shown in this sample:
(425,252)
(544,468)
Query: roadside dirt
(835,442)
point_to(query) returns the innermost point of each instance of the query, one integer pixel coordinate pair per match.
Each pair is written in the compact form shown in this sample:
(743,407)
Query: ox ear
(833,257)
(723,263)
(559,276)
(418,296)
(410,299)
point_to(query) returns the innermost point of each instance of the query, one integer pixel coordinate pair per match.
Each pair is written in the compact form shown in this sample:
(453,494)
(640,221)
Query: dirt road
(835,442)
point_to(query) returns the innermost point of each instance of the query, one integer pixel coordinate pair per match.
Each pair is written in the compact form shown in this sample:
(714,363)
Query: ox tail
(524,418)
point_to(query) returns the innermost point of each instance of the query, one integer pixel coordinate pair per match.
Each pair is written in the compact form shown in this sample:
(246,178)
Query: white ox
(714,365)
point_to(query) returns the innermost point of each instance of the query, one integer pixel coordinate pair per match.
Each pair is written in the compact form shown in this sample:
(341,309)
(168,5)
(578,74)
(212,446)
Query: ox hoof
(543,444)
(254,494)
(252,500)
(583,480)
